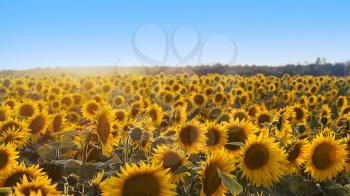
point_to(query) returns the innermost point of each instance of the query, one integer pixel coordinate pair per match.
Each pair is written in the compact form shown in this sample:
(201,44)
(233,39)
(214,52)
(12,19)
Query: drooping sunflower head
(238,131)
(191,136)
(262,162)
(210,179)
(103,129)
(146,179)
(172,158)
(216,136)
(8,156)
(326,157)
(27,108)
(15,174)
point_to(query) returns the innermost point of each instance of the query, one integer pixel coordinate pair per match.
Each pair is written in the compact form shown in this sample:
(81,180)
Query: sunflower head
(8,156)
(90,108)
(216,136)
(262,161)
(103,129)
(15,174)
(172,158)
(38,124)
(211,182)
(27,108)
(191,136)
(38,186)
(146,179)
(326,157)
(238,131)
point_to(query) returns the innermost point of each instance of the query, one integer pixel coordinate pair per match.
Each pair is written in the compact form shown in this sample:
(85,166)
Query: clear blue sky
(82,33)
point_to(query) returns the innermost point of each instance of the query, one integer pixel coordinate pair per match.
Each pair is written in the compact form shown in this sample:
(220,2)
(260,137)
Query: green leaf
(336,186)
(66,133)
(180,170)
(240,144)
(229,183)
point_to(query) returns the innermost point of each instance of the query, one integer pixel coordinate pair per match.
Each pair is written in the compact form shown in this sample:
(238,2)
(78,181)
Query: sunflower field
(174,134)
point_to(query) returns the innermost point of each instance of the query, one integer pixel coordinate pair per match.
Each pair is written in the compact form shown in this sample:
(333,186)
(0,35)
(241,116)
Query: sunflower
(67,102)
(38,125)
(239,114)
(146,179)
(301,114)
(253,110)
(103,128)
(10,123)
(8,156)
(171,158)
(179,115)
(341,101)
(262,117)
(346,141)
(345,110)
(191,136)
(78,99)
(10,102)
(156,114)
(27,108)
(55,105)
(199,99)
(5,112)
(216,136)
(98,185)
(106,88)
(38,186)
(18,138)
(326,157)
(58,121)
(14,175)
(90,108)
(238,131)
(136,108)
(262,162)
(211,182)
(118,101)
(121,115)
(296,155)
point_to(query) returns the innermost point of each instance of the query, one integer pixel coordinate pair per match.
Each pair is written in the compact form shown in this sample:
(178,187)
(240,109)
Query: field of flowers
(174,134)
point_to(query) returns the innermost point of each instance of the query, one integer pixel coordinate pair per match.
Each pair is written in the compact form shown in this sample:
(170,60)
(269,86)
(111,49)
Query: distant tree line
(337,69)
(317,68)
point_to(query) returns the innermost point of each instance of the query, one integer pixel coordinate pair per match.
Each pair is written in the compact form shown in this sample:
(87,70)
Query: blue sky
(41,33)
